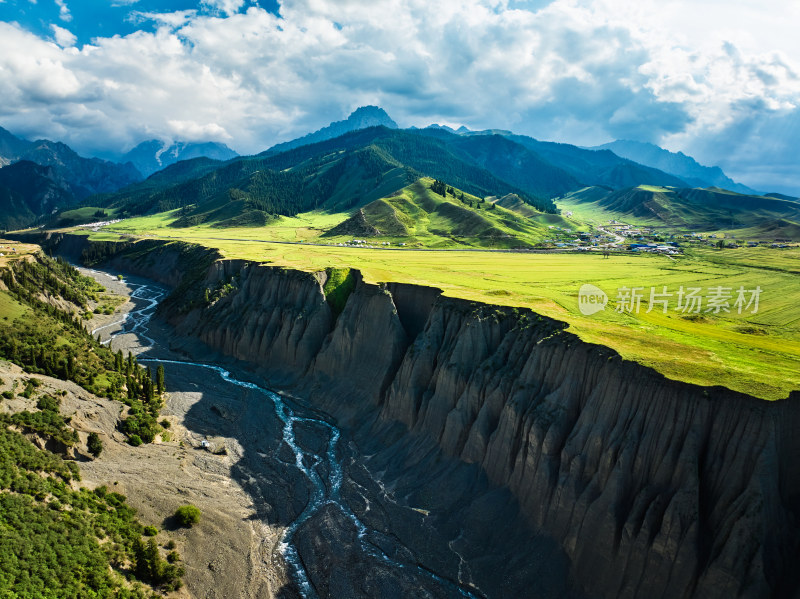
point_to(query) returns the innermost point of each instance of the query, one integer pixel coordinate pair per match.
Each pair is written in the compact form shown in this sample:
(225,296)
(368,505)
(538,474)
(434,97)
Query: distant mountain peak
(11,147)
(154,154)
(369,116)
(361,118)
(461,130)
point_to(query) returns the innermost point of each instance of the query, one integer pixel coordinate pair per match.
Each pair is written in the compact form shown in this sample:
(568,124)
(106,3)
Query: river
(328,549)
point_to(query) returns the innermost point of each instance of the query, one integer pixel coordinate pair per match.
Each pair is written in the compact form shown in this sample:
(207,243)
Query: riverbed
(287,504)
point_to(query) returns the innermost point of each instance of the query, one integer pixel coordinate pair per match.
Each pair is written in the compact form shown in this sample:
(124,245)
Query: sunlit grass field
(303,227)
(11,309)
(7,249)
(753,353)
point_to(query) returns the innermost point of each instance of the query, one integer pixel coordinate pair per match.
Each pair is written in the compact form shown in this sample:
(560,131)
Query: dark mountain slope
(145,196)
(675,163)
(601,167)
(31,194)
(516,164)
(30,191)
(86,176)
(11,147)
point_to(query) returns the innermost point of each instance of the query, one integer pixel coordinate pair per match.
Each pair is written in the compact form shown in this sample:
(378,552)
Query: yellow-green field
(13,250)
(11,309)
(754,353)
(303,227)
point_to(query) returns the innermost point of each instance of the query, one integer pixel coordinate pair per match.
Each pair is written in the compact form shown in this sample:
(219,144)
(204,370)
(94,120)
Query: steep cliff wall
(655,488)
(276,318)
(652,487)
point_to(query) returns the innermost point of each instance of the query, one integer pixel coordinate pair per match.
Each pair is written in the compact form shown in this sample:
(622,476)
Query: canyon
(487,445)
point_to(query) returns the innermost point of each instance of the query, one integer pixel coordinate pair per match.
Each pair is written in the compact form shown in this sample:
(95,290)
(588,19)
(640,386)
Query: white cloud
(37,78)
(172,19)
(63,12)
(193,131)
(227,7)
(64,37)
(583,71)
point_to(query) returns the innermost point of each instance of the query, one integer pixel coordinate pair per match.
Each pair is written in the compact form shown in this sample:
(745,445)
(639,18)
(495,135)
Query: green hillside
(343,175)
(335,183)
(689,209)
(419,214)
(443,216)
(58,538)
(515,204)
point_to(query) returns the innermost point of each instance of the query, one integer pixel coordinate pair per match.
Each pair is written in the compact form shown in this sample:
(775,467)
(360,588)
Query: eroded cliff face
(274,317)
(651,487)
(654,488)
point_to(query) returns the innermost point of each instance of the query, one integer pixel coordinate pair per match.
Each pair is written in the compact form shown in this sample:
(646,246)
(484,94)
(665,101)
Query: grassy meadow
(753,353)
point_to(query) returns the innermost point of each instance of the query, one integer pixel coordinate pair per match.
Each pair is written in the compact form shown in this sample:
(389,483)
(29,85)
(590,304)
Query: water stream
(324,490)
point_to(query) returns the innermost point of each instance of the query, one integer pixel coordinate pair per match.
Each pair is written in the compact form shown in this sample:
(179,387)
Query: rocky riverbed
(289,508)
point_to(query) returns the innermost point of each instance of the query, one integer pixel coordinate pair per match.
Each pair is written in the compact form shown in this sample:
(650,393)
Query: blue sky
(89,19)
(719,80)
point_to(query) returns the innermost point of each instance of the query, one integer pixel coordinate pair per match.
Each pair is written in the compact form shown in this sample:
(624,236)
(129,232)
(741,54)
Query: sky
(716,79)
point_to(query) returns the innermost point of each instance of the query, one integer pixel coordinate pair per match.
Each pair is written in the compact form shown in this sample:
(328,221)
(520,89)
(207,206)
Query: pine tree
(160,378)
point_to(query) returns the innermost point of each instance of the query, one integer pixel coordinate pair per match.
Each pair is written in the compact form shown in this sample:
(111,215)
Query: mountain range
(620,163)
(38,177)
(11,147)
(350,164)
(29,191)
(84,176)
(28,194)
(675,163)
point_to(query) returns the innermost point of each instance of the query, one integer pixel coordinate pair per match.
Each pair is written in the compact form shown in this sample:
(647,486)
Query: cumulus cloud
(64,37)
(193,131)
(581,71)
(226,7)
(63,11)
(171,19)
